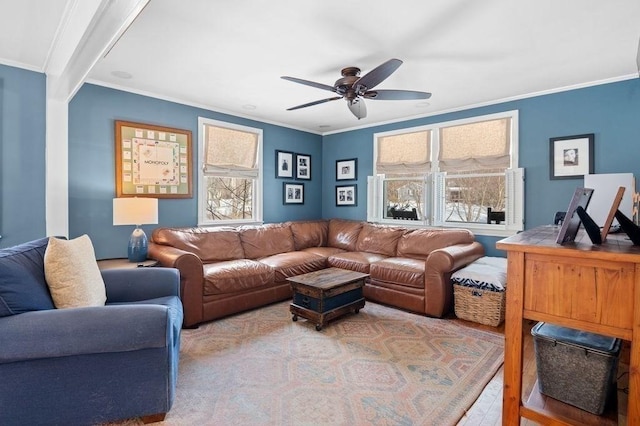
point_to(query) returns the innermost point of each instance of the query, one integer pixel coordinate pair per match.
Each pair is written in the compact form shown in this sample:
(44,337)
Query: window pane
(467,198)
(403,199)
(229,198)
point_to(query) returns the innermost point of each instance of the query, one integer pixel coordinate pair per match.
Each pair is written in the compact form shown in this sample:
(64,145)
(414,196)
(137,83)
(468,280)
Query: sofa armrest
(77,331)
(132,285)
(191,279)
(440,264)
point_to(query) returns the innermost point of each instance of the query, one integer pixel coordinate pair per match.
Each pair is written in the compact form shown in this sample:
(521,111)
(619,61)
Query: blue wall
(22,155)
(610,111)
(92,164)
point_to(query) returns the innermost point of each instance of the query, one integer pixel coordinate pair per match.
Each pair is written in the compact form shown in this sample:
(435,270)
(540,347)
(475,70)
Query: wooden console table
(579,285)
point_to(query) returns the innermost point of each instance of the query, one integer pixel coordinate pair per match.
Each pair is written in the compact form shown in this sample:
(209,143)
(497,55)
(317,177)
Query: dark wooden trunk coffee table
(323,295)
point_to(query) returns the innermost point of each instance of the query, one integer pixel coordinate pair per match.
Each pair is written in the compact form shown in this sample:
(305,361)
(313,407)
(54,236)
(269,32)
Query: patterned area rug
(382,366)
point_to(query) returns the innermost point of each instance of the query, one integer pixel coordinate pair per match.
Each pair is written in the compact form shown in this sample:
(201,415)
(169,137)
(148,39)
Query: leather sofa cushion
(343,233)
(325,252)
(354,261)
(400,271)
(312,233)
(266,240)
(235,275)
(294,263)
(209,244)
(419,243)
(379,239)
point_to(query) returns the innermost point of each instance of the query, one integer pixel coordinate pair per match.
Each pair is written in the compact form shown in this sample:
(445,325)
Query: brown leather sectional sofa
(226,270)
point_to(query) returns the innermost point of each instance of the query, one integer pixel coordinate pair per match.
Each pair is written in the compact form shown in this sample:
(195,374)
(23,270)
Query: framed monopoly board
(152,161)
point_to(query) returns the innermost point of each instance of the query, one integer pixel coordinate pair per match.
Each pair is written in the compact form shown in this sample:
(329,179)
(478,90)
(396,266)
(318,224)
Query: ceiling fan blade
(310,83)
(396,95)
(315,103)
(376,75)
(358,108)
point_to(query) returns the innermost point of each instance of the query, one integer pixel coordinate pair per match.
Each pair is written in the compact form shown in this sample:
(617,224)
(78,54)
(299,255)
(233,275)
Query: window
(462,173)
(230,176)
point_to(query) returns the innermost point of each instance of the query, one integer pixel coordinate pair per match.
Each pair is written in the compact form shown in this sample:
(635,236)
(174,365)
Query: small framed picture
(571,157)
(347,169)
(285,166)
(303,166)
(292,193)
(346,195)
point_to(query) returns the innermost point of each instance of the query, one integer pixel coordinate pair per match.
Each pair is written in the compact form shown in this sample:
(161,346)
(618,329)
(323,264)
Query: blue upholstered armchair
(86,365)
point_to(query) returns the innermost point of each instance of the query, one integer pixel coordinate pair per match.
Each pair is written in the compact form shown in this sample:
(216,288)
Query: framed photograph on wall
(303,166)
(347,169)
(152,161)
(346,195)
(292,193)
(571,157)
(285,167)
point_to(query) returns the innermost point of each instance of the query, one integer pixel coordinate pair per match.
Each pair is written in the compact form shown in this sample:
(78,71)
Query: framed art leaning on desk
(571,222)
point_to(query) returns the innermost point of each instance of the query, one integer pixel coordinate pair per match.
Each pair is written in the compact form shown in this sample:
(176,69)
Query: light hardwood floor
(487,410)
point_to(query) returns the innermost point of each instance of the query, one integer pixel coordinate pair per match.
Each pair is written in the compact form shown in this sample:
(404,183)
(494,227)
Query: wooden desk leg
(633,408)
(512,387)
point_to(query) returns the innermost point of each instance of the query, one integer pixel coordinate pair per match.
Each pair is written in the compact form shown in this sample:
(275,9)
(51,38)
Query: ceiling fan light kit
(355,89)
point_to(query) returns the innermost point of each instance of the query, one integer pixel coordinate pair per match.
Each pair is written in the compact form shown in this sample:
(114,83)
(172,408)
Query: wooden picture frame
(346,195)
(285,167)
(615,205)
(292,193)
(152,161)
(571,157)
(347,169)
(303,166)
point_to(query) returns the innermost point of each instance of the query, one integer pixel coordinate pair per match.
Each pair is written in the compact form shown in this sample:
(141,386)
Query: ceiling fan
(355,89)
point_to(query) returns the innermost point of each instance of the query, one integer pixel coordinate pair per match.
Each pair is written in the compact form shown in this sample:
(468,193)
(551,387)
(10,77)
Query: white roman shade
(476,146)
(230,151)
(407,153)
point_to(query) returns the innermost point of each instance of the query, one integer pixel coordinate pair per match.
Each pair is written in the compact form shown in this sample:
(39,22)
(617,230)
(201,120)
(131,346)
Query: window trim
(258,185)
(515,221)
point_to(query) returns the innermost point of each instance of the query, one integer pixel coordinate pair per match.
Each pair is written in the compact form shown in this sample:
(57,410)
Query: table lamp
(136,211)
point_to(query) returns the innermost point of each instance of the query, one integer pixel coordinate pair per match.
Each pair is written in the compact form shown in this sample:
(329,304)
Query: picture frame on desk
(615,205)
(572,220)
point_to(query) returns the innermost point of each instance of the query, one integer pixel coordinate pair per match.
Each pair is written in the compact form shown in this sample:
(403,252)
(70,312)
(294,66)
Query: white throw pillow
(72,273)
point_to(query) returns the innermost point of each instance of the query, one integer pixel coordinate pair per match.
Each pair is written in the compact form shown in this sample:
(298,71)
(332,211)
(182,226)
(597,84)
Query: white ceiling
(228,56)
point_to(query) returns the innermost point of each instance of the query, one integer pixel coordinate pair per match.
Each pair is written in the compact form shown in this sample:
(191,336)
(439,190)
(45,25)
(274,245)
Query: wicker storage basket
(477,305)
(479,290)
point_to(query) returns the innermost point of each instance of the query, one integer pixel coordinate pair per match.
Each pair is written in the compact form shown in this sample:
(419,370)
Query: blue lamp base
(138,246)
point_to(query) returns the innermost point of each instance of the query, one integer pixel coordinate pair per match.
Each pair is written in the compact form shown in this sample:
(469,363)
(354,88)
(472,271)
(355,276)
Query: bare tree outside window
(404,196)
(229,198)
(468,198)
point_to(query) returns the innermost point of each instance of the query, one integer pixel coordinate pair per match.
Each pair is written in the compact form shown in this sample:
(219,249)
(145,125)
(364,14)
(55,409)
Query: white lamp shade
(135,211)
